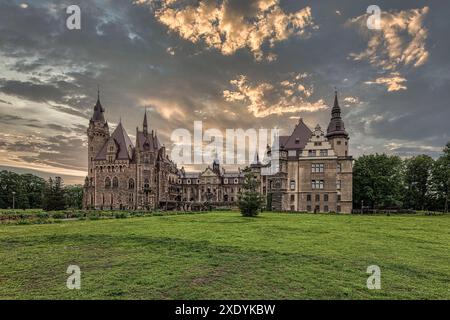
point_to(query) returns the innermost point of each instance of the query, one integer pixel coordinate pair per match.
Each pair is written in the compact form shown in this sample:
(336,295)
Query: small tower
(336,133)
(98,134)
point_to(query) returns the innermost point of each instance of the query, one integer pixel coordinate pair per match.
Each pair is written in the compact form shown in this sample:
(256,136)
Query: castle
(313,173)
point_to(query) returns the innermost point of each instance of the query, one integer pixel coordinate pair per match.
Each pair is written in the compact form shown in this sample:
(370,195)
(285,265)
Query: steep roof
(299,137)
(123,142)
(149,140)
(98,111)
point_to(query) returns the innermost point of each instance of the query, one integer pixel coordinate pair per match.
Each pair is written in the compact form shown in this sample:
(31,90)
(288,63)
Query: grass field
(225,256)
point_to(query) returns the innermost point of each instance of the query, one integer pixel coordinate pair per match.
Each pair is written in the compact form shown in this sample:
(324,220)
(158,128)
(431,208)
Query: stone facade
(307,171)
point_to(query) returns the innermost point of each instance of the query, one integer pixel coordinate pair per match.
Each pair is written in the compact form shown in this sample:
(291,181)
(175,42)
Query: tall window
(115,183)
(308,197)
(292,184)
(338,184)
(339,167)
(146,184)
(107,183)
(131,184)
(317,197)
(325,197)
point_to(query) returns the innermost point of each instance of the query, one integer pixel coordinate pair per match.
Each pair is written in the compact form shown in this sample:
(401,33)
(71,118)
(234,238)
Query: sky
(231,64)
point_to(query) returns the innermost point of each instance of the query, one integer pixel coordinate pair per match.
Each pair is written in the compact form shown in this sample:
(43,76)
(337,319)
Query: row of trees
(388,182)
(25,191)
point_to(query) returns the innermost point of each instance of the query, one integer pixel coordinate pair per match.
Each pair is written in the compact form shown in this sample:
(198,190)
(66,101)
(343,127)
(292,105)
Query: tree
(378,181)
(27,189)
(417,182)
(73,196)
(54,195)
(440,179)
(250,200)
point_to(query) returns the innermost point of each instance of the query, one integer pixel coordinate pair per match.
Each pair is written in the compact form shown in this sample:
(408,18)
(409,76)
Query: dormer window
(297,140)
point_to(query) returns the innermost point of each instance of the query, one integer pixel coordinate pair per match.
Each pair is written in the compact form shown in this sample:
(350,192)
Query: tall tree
(54,195)
(417,182)
(378,181)
(441,179)
(250,200)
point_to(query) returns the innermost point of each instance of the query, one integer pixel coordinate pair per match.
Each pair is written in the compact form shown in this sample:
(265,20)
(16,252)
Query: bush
(58,215)
(120,215)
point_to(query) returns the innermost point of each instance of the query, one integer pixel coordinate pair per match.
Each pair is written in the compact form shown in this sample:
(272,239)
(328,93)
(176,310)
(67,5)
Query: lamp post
(14,198)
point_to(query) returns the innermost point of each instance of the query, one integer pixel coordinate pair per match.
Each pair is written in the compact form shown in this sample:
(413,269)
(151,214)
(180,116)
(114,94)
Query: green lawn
(225,256)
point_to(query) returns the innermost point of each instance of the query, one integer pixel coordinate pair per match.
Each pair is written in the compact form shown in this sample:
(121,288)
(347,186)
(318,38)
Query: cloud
(401,43)
(393,82)
(230,25)
(264,99)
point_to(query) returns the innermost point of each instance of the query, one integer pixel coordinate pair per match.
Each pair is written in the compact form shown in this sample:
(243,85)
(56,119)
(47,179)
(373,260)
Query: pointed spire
(336,111)
(145,126)
(98,109)
(336,126)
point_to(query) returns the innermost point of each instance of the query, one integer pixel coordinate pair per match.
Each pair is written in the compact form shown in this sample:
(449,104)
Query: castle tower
(98,134)
(336,133)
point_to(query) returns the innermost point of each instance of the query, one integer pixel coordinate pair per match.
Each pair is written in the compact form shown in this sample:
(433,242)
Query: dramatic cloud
(230,25)
(401,40)
(400,43)
(263,99)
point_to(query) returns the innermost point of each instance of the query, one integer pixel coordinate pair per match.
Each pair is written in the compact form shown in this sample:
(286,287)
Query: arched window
(115,183)
(146,184)
(131,184)
(107,183)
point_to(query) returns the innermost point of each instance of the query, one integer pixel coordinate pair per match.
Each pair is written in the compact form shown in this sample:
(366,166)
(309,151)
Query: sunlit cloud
(393,82)
(400,43)
(230,25)
(264,99)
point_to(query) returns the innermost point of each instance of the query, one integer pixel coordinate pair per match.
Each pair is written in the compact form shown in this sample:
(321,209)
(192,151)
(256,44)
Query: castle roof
(123,143)
(149,141)
(298,139)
